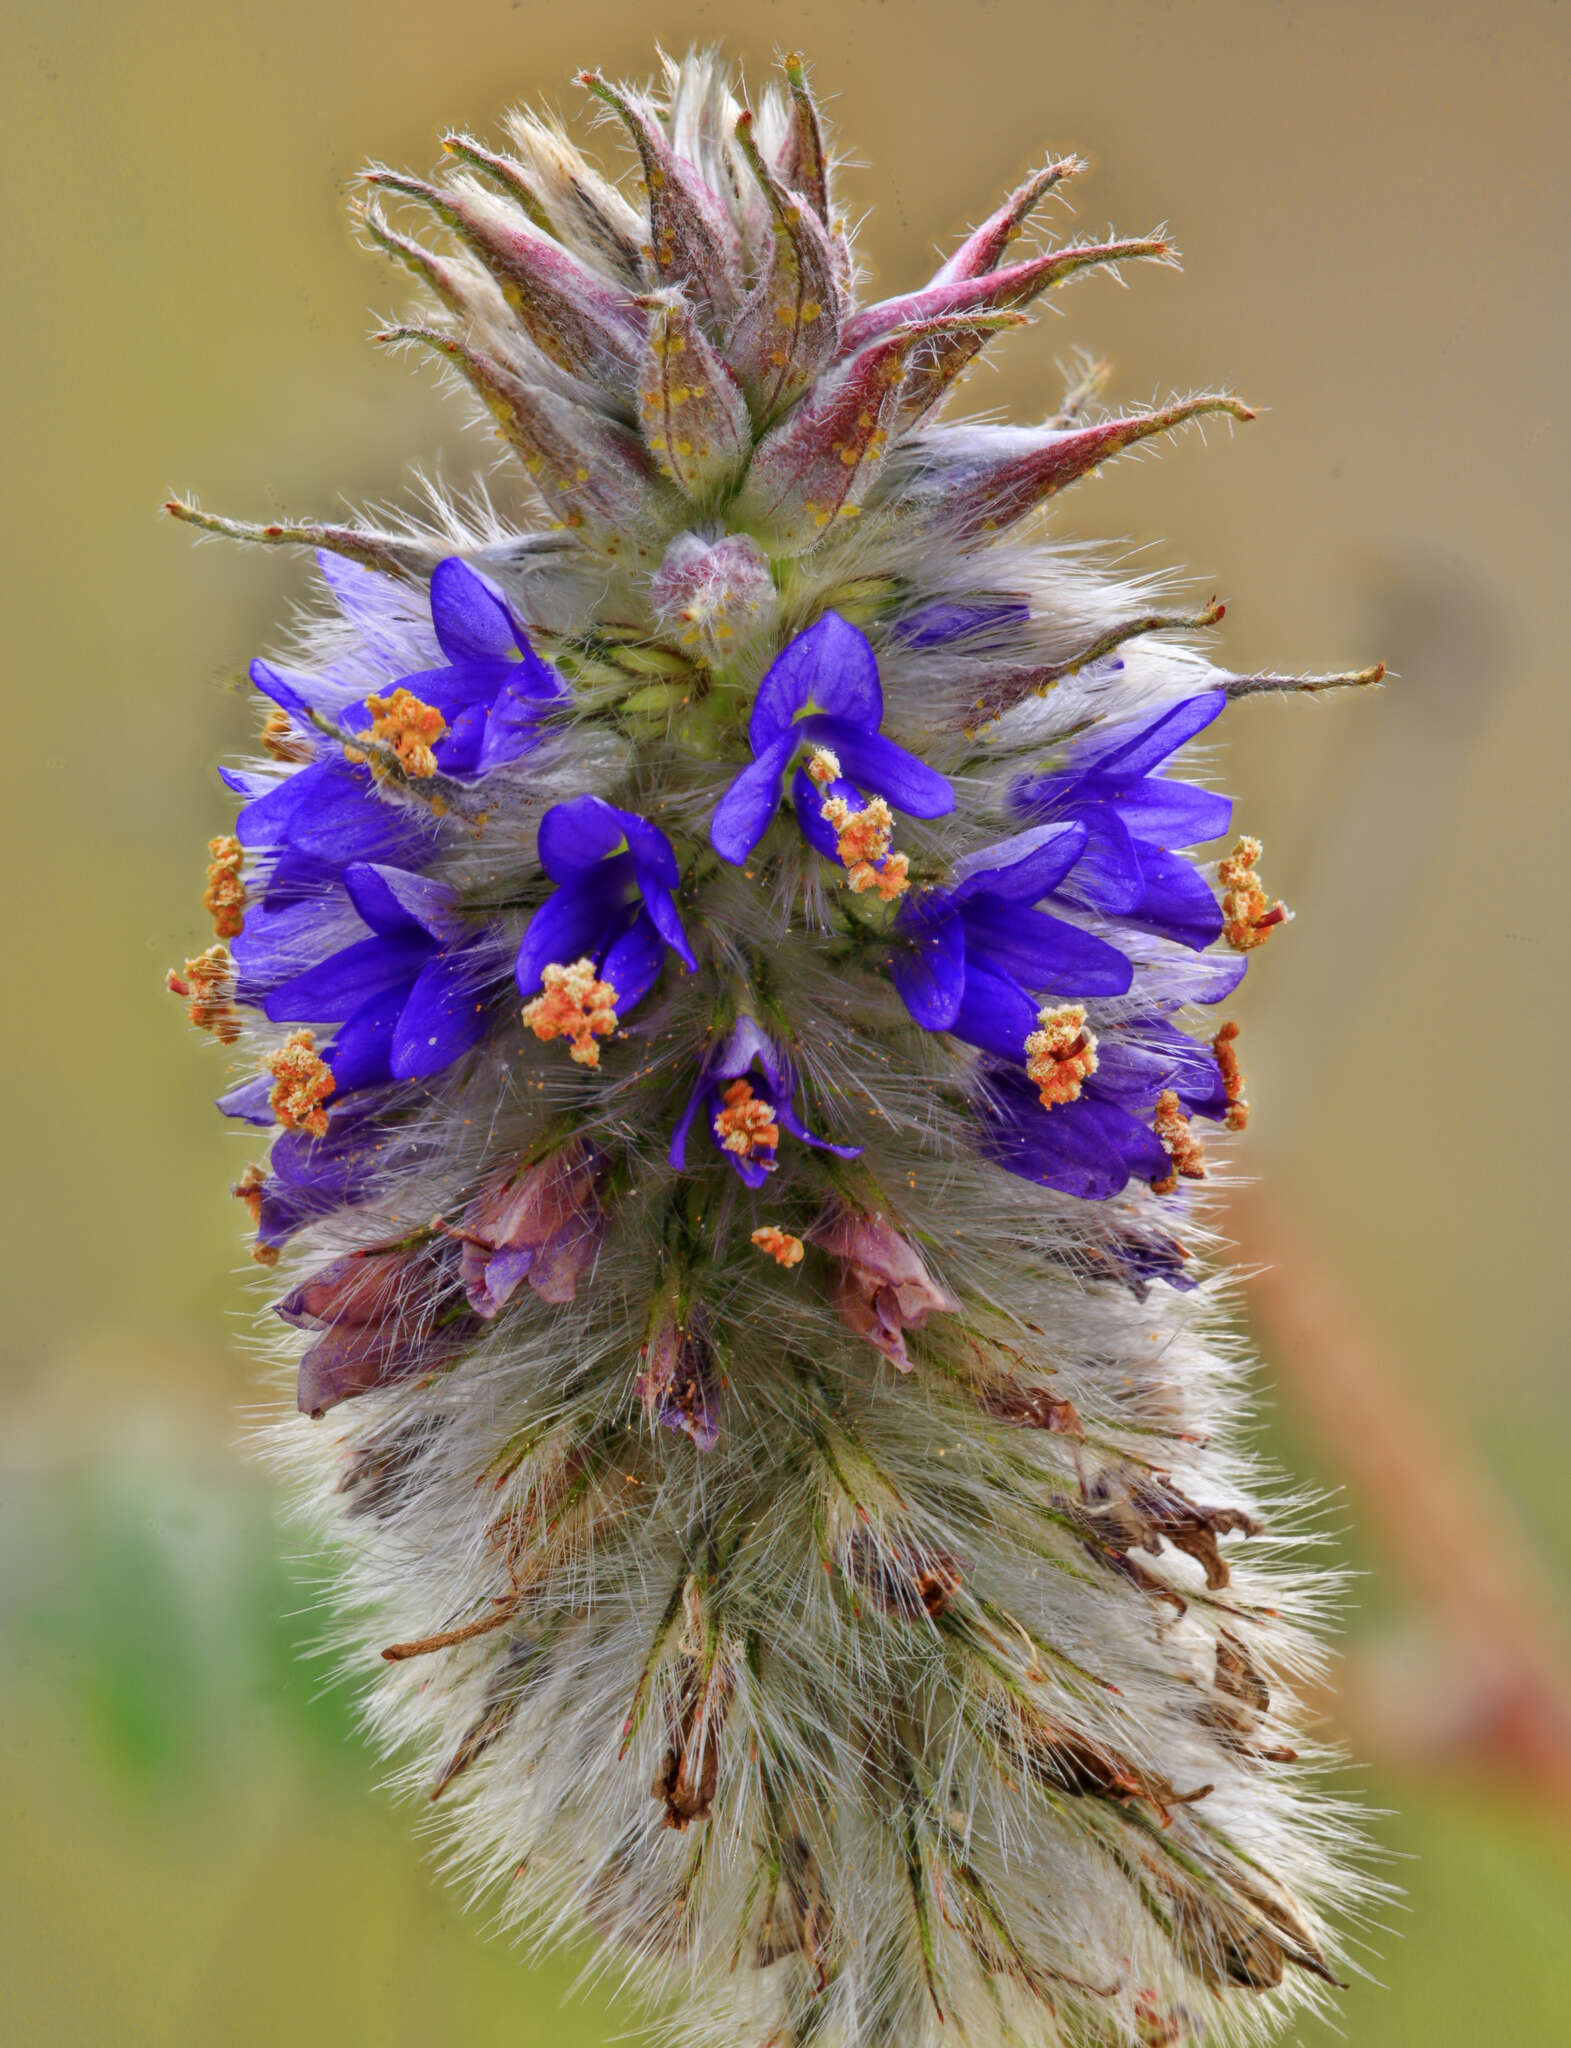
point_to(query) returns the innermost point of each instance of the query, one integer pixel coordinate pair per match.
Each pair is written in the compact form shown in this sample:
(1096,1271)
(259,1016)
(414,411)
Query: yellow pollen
(576,1006)
(248,1189)
(1224,1046)
(824,767)
(862,835)
(207,985)
(302,1082)
(407,727)
(781,1246)
(1061,1054)
(747,1126)
(224,897)
(1248,919)
(862,842)
(280,739)
(1179,1142)
(891,879)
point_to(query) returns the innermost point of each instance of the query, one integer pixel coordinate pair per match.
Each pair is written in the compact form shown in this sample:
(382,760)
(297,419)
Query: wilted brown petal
(906,1579)
(1034,1407)
(690,1769)
(545,1227)
(1127,1512)
(384,1316)
(679,1383)
(796,1919)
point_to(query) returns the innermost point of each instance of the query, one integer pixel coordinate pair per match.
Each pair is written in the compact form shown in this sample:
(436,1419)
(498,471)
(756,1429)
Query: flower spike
(721,957)
(391,554)
(803,164)
(819,464)
(507,174)
(998,291)
(589,470)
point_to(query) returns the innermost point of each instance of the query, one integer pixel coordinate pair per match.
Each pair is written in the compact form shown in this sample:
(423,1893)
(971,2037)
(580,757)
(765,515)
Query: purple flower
(615,873)
(1133,819)
(975,958)
(821,691)
(745,1089)
(493,694)
(494,689)
(1094,1145)
(315,821)
(411,998)
(309,1177)
(1137,1257)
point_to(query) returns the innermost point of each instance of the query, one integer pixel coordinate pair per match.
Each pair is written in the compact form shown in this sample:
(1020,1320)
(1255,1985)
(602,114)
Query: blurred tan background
(1372,203)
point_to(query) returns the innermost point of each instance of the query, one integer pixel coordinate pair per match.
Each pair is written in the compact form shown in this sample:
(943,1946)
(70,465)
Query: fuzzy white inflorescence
(822,1561)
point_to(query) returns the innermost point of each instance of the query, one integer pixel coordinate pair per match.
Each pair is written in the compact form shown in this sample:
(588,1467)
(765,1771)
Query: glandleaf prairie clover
(720,948)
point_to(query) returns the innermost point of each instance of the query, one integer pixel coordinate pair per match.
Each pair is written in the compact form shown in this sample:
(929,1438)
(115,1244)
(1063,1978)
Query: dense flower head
(723,942)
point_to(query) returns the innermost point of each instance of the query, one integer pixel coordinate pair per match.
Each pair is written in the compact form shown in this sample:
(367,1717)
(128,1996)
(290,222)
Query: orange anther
(1061,1055)
(207,985)
(1247,918)
(1179,1142)
(408,728)
(781,1246)
(577,1006)
(224,897)
(746,1126)
(302,1082)
(1224,1046)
